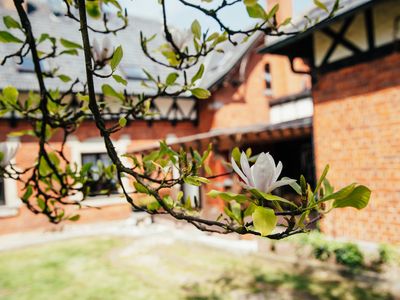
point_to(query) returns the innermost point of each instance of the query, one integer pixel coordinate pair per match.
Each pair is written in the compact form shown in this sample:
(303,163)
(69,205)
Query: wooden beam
(369,28)
(339,39)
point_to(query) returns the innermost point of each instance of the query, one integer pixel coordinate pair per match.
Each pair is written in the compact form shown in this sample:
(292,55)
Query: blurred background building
(335,100)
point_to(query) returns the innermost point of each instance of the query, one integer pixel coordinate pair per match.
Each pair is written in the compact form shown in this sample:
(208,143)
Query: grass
(118,268)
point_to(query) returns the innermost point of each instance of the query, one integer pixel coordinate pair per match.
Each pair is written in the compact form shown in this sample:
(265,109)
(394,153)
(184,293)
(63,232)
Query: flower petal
(238,171)
(244,163)
(279,183)
(262,172)
(278,171)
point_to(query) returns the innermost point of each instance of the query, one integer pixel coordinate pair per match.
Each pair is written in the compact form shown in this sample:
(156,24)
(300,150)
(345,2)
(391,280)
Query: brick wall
(357,131)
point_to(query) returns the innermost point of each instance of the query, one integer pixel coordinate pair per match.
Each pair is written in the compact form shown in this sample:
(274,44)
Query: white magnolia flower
(101,53)
(8,150)
(263,175)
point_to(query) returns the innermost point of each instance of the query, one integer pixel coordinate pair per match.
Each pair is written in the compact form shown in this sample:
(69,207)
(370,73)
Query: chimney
(285,9)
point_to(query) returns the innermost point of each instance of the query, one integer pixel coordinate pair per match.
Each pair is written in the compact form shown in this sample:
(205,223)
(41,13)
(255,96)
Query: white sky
(182,16)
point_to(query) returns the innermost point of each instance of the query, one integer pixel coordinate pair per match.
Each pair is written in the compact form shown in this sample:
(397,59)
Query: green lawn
(117,268)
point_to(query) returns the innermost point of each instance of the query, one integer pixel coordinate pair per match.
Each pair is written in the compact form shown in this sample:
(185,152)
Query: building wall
(357,131)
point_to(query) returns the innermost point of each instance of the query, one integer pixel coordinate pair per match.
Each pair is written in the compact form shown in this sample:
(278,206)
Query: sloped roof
(44,21)
(304,125)
(346,7)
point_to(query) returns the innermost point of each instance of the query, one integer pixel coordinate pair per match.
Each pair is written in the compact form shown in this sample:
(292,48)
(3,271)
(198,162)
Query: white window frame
(96,145)
(11,197)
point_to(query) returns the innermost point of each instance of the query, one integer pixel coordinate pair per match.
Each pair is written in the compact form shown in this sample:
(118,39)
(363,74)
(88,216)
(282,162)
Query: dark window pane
(99,182)
(2,196)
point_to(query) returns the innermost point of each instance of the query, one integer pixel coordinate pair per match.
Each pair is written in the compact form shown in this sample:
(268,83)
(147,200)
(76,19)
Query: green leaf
(273,11)
(328,188)
(196,29)
(227,196)
(70,45)
(10,22)
(171,78)
(10,94)
(109,91)
(93,9)
(28,193)
(358,198)
(140,188)
(116,58)
(198,74)
(256,12)
(41,203)
(236,211)
(195,180)
(122,121)
(249,2)
(153,205)
(342,193)
(286,22)
(321,5)
(249,210)
(236,155)
(6,37)
(321,179)
(74,218)
(271,197)
(200,93)
(120,79)
(64,78)
(334,8)
(70,52)
(264,220)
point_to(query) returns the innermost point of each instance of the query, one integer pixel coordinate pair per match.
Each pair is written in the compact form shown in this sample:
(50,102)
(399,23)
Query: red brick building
(354,61)
(240,112)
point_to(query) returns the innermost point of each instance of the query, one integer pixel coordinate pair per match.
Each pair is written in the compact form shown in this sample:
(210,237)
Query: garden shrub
(349,255)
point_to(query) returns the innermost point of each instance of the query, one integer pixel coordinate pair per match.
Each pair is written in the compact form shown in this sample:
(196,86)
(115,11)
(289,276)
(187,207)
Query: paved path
(130,229)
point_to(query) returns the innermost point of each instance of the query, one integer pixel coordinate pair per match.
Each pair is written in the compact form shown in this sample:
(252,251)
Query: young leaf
(120,79)
(227,196)
(321,5)
(198,74)
(10,22)
(236,155)
(358,198)
(6,37)
(140,188)
(171,78)
(249,2)
(69,44)
(321,179)
(116,58)
(64,78)
(200,93)
(74,218)
(264,220)
(196,29)
(271,197)
(256,12)
(195,180)
(10,94)
(273,11)
(109,91)
(122,121)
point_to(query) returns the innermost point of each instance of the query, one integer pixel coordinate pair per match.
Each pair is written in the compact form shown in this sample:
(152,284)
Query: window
(2,194)
(268,80)
(99,183)
(133,73)
(28,66)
